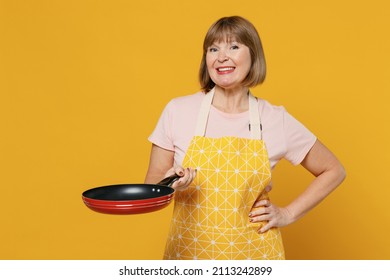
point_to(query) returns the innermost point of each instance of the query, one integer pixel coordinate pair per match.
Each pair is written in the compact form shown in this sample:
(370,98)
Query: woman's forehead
(224,38)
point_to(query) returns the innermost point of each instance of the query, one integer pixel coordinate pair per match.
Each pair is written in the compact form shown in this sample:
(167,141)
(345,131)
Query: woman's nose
(222,56)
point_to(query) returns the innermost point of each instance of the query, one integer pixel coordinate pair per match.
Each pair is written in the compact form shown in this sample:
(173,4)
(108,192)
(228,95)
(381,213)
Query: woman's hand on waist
(267,212)
(187,176)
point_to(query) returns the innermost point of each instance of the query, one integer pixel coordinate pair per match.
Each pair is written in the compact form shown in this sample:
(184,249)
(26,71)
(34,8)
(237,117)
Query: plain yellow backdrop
(83,83)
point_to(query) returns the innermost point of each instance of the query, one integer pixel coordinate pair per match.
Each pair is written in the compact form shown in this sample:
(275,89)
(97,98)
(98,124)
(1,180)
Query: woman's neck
(231,101)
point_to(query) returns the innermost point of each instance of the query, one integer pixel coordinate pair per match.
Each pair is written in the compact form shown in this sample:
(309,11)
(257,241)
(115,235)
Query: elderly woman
(223,142)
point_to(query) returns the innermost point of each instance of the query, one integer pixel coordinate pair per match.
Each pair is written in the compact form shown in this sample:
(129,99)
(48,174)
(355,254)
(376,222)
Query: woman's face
(228,63)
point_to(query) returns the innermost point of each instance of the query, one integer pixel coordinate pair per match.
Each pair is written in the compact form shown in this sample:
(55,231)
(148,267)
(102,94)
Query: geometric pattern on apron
(210,218)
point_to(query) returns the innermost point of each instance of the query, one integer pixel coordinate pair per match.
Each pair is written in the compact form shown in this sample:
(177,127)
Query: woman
(223,143)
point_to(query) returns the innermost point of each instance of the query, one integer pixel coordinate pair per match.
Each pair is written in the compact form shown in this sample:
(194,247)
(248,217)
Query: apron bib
(210,218)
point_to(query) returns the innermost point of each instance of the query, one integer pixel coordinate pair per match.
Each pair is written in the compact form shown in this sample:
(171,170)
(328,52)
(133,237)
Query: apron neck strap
(254,116)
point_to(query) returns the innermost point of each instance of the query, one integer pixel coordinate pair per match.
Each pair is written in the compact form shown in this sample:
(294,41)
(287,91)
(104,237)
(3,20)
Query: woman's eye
(234,47)
(212,49)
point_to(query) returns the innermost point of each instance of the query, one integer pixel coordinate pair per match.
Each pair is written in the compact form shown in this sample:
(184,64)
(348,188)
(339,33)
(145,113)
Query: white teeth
(225,69)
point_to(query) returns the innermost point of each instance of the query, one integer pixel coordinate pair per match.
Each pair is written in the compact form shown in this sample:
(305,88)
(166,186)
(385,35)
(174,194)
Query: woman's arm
(329,174)
(160,162)
(161,166)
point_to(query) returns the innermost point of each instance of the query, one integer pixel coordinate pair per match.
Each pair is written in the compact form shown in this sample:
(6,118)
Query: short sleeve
(299,140)
(162,134)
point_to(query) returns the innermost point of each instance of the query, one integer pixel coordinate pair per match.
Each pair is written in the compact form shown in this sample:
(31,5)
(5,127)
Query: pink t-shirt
(283,135)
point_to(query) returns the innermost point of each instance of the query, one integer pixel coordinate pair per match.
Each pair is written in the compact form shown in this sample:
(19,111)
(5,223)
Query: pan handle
(168,181)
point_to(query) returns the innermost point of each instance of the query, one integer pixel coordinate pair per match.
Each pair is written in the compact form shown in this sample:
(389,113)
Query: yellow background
(83,83)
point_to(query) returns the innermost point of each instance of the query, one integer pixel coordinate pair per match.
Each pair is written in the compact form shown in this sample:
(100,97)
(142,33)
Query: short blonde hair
(241,30)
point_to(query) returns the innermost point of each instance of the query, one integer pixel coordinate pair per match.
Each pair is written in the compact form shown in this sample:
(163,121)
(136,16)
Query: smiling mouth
(225,70)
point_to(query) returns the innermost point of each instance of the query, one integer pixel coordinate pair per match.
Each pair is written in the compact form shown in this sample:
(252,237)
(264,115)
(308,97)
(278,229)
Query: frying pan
(130,198)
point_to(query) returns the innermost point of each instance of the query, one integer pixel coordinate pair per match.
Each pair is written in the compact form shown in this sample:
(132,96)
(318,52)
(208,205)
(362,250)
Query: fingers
(268,188)
(273,215)
(179,171)
(261,203)
(265,213)
(187,176)
(265,227)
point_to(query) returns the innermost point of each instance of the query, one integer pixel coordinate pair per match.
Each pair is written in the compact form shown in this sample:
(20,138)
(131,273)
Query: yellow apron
(210,218)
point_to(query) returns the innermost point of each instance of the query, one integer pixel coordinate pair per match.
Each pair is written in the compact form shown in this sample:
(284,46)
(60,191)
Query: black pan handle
(168,181)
